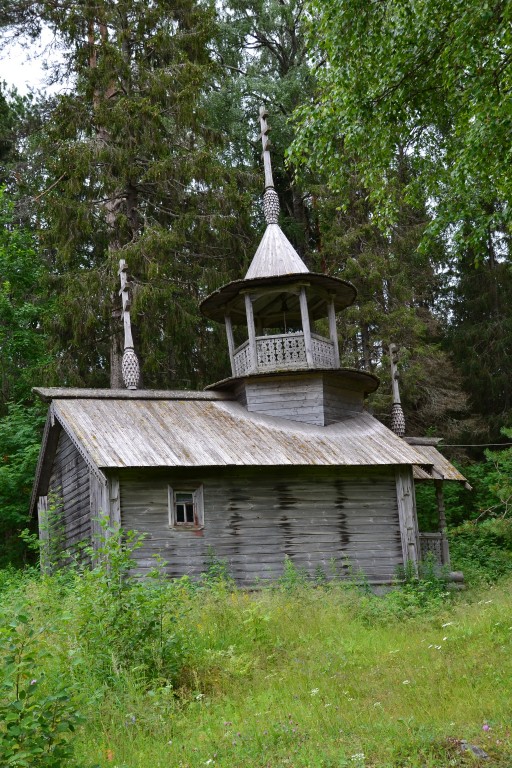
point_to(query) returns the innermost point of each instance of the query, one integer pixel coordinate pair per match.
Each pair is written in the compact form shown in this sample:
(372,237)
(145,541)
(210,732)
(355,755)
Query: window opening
(184,506)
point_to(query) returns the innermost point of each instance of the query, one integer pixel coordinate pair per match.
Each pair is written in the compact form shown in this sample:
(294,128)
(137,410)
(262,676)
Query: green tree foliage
(22,308)
(480,335)
(432,77)
(426,83)
(23,358)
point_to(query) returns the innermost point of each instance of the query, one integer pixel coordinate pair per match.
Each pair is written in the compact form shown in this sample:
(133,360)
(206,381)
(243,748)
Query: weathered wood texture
(44,533)
(70,490)
(339,401)
(407,514)
(99,509)
(316,400)
(319,517)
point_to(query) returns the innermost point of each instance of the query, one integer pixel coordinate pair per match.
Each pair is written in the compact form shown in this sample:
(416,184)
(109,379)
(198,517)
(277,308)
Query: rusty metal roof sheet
(194,433)
(439,466)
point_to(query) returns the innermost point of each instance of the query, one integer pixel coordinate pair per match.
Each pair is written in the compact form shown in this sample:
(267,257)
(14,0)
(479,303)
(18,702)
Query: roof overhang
(230,299)
(435,466)
(353,379)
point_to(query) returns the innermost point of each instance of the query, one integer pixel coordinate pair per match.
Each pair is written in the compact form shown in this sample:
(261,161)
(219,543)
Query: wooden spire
(267,164)
(270,198)
(130,364)
(397,414)
(275,256)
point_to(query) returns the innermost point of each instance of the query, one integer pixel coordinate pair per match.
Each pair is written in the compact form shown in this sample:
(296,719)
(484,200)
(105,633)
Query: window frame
(198,501)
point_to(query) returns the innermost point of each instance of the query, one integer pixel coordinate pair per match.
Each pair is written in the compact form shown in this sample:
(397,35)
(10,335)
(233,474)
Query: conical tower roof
(275,256)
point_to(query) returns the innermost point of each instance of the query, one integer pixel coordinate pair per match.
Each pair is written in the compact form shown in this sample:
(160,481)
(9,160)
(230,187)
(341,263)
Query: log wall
(70,484)
(316,400)
(322,518)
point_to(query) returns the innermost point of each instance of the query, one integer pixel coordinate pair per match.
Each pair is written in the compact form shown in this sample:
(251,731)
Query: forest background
(391,127)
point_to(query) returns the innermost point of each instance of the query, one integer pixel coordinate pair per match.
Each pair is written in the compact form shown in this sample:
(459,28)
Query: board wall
(69,494)
(322,518)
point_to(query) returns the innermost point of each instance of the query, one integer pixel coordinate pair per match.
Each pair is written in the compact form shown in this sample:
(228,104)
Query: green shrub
(125,622)
(482,549)
(35,724)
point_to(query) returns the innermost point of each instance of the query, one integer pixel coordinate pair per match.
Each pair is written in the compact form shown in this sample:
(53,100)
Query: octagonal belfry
(279,301)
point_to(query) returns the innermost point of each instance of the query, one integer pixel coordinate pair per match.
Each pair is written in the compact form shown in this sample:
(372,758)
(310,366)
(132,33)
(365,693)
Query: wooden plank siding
(293,398)
(319,517)
(316,400)
(70,488)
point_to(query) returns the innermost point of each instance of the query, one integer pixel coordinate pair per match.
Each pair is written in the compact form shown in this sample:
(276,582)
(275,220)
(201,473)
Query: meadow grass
(175,676)
(320,678)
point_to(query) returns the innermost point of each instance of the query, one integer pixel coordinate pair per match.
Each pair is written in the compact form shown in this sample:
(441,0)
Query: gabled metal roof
(196,433)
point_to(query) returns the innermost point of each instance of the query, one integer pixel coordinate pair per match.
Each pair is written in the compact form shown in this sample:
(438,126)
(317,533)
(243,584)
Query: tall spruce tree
(128,170)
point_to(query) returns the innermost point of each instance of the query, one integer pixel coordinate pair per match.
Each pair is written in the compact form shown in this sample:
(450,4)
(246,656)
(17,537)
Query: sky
(23,67)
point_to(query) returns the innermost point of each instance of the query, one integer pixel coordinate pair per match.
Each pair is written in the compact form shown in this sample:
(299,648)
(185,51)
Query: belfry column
(308,343)
(251,330)
(231,342)
(333,331)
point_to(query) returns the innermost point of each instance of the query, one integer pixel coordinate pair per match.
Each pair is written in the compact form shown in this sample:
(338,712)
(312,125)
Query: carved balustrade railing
(432,544)
(283,351)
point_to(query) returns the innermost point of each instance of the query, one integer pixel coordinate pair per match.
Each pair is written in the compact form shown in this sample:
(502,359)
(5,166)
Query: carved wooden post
(270,198)
(397,414)
(130,365)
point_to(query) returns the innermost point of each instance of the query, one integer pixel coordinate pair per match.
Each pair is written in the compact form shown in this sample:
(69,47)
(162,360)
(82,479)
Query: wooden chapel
(280,459)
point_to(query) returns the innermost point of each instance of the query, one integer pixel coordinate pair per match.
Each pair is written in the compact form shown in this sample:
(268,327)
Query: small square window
(186,508)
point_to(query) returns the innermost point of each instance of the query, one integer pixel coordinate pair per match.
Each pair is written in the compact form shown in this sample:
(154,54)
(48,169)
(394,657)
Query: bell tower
(277,304)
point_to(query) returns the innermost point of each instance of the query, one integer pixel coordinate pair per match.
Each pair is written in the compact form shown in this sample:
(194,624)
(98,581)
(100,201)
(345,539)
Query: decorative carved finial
(397,414)
(130,364)
(270,198)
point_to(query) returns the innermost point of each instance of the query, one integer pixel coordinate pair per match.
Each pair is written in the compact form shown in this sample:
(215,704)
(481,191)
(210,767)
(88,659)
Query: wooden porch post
(445,552)
(333,331)
(231,342)
(306,327)
(251,331)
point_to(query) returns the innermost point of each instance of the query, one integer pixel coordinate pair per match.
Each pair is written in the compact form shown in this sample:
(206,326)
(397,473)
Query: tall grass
(169,674)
